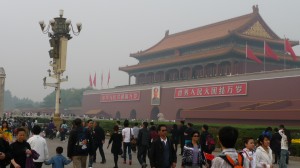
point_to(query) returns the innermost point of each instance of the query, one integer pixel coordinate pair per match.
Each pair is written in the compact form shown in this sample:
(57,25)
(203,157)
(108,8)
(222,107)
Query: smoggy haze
(111,31)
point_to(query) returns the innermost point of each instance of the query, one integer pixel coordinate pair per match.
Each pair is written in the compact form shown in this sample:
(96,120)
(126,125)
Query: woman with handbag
(116,140)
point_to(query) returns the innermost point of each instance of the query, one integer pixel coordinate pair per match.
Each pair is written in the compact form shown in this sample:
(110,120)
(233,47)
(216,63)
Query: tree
(69,98)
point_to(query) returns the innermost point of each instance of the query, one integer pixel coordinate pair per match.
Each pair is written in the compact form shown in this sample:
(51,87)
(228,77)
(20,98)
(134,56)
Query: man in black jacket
(162,152)
(4,152)
(203,136)
(78,144)
(99,141)
(143,142)
(182,128)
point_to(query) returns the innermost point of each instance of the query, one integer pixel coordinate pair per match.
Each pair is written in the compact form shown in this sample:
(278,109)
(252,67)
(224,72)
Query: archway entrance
(132,114)
(154,112)
(178,114)
(118,115)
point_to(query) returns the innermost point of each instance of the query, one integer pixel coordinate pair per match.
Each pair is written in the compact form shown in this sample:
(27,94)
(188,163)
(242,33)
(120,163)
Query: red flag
(269,52)
(288,48)
(101,79)
(250,55)
(108,78)
(91,82)
(94,81)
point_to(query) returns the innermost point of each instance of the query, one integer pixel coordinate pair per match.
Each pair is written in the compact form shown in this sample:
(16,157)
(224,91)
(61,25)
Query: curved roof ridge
(136,54)
(213,24)
(203,33)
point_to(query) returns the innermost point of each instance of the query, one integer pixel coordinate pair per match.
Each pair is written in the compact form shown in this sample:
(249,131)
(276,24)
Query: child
(227,138)
(249,153)
(58,161)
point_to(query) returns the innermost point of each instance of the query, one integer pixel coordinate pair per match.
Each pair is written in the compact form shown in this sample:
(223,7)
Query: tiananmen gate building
(234,71)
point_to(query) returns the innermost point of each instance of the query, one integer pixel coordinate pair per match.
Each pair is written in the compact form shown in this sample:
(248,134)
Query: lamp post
(59,37)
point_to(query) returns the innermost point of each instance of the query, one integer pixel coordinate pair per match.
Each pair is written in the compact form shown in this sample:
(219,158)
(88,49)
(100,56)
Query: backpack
(229,160)
(210,143)
(145,138)
(81,148)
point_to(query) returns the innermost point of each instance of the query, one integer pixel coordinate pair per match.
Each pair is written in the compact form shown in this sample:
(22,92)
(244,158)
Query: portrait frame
(155,95)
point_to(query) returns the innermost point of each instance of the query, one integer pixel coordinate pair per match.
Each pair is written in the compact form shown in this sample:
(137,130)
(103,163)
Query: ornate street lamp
(59,37)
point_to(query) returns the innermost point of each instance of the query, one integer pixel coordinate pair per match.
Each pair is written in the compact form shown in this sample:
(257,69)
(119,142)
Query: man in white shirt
(127,133)
(284,149)
(39,144)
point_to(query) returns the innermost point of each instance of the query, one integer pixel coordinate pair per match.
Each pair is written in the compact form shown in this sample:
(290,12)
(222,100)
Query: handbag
(132,139)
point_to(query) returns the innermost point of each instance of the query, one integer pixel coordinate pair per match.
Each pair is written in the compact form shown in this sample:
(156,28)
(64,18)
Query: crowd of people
(197,146)
(148,141)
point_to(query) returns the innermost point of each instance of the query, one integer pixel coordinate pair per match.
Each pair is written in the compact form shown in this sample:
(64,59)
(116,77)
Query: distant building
(203,75)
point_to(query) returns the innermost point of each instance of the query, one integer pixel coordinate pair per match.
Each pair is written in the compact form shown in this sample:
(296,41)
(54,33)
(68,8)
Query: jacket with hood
(263,157)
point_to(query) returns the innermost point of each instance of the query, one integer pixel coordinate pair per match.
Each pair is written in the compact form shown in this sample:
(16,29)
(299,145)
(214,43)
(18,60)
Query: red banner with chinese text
(232,89)
(120,96)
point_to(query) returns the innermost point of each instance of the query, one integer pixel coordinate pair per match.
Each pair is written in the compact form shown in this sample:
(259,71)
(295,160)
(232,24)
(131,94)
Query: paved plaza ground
(52,144)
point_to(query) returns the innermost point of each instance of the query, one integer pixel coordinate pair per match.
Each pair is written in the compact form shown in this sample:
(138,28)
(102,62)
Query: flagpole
(264,56)
(101,79)
(284,53)
(246,58)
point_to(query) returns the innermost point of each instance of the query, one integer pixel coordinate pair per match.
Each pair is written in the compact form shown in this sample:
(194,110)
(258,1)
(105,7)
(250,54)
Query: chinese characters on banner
(232,89)
(120,96)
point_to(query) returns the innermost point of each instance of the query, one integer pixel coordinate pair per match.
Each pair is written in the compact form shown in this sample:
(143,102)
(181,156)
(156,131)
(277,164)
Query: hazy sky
(111,31)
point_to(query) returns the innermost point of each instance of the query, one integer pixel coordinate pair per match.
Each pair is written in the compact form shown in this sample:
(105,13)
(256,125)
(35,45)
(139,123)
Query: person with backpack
(206,140)
(229,158)
(78,144)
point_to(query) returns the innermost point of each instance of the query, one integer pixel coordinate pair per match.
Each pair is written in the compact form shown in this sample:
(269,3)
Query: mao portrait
(155,96)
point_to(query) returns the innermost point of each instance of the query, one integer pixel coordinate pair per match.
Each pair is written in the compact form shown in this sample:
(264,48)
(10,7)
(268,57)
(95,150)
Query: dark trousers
(142,154)
(116,159)
(277,156)
(38,164)
(175,145)
(100,146)
(181,145)
(287,157)
(127,145)
(62,135)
